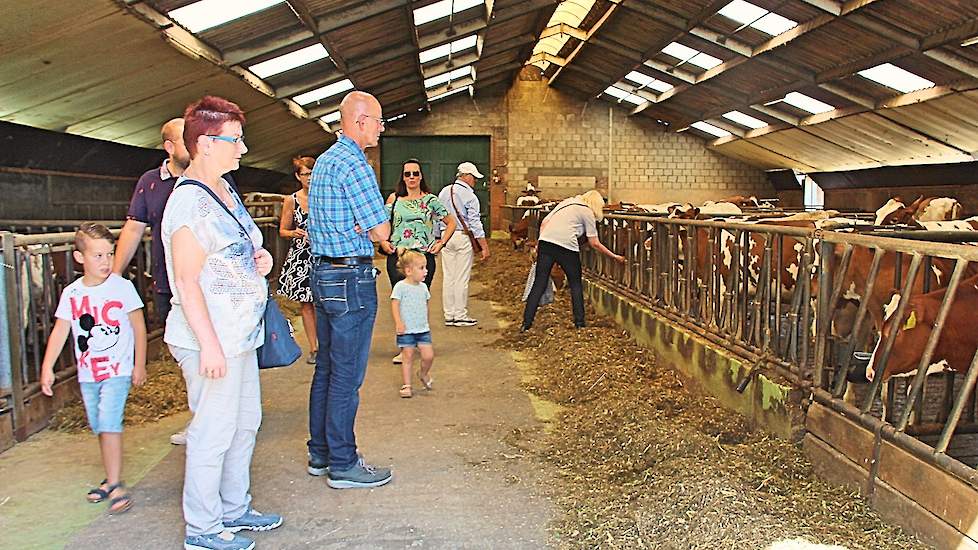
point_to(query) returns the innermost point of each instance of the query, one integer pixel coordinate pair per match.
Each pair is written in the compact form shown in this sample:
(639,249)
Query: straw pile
(643,462)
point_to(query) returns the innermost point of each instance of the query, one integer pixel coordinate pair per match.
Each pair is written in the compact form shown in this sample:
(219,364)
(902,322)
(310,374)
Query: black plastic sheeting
(921,175)
(34,148)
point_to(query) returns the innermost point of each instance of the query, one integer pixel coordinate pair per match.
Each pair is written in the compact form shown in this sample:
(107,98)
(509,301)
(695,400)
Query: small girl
(409,304)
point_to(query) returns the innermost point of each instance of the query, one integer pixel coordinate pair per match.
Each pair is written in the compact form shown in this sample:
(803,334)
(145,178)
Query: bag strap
(461,218)
(218,201)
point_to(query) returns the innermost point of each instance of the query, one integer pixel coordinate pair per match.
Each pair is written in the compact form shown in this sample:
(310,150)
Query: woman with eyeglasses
(414,211)
(217,268)
(294,279)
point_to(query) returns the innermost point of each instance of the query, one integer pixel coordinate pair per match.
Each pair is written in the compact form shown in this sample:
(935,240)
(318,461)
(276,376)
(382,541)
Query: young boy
(409,304)
(104,312)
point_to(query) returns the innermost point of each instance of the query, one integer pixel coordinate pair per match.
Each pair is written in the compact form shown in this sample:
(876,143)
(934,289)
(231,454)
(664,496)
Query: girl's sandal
(121,503)
(426,383)
(405,391)
(98,494)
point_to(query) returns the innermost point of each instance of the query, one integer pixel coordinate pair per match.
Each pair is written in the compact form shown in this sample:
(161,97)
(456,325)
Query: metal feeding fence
(808,305)
(36,268)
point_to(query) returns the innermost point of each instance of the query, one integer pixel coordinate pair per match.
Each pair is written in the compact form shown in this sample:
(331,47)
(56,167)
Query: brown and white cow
(929,209)
(956,345)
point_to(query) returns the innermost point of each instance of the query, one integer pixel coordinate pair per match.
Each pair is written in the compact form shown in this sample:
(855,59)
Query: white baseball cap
(469,168)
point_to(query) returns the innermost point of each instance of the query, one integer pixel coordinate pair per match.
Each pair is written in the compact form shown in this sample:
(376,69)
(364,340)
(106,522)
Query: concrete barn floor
(457,484)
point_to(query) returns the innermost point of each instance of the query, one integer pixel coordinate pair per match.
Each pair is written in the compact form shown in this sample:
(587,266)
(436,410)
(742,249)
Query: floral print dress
(414,221)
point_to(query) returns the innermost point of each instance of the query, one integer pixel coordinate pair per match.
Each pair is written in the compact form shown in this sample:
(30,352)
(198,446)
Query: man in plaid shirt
(346,214)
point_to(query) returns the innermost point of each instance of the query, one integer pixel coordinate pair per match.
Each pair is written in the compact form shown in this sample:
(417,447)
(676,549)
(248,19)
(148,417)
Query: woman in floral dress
(415,211)
(294,279)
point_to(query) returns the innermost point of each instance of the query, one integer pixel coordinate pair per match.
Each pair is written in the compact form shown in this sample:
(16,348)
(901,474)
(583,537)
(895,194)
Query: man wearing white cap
(456,256)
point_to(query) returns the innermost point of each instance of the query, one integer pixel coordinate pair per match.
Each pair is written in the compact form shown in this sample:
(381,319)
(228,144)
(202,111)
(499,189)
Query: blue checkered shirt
(343,192)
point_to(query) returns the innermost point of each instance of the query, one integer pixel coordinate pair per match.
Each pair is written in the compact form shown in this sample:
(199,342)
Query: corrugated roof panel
(952,119)
(883,140)
(758,156)
(814,151)
(246,29)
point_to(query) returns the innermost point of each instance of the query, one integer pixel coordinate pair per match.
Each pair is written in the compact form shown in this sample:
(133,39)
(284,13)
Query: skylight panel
(322,93)
(806,103)
(742,12)
(444,8)
(894,77)
(456,74)
(660,86)
(442,51)
(290,60)
(443,95)
(759,18)
(710,129)
(331,117)
(206,14)
(639,78)
(689,55)
(623,95)
(647,81)
(745,120)
(774,24)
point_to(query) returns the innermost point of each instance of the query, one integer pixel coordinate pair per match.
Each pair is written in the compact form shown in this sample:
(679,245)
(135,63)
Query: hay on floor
(643,462)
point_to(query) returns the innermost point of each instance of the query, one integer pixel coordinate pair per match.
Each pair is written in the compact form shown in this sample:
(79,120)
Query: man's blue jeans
(346,306)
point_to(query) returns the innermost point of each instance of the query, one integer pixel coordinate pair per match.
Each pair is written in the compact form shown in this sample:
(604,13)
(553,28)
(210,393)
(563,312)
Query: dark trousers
(570,262)
(162,302)
(394,275)
(346,306)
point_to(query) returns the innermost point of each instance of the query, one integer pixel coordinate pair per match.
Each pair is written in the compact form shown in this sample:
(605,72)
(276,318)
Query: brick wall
(539,131)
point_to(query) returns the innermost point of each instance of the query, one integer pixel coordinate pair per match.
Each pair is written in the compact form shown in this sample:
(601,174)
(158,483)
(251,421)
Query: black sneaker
(317,467)
(465,322)
(360,475)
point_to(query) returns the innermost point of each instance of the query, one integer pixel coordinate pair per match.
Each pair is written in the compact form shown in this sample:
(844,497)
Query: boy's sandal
(405,390)
(426,383)
(120,503)
(98,494)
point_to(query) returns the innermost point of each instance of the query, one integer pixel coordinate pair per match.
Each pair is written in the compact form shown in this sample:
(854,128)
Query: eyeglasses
(229,139)
(379,120)
(412,174)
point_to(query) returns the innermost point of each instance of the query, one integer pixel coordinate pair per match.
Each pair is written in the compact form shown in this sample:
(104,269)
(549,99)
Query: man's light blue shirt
(343,193)
(467,202)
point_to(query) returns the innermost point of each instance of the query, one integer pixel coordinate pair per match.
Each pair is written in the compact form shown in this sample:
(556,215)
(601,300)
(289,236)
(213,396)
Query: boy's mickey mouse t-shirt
(102,333)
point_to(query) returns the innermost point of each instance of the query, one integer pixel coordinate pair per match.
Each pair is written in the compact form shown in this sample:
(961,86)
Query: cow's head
(895,212)
(911,330)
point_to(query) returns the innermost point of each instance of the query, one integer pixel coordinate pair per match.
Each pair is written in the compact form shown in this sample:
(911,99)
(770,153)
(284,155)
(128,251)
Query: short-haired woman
(296,271)
(216,263)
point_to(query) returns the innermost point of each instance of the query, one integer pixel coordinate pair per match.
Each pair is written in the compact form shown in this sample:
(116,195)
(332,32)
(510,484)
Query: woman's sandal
(405,391)
(98,494)
(121,503)
(426,383)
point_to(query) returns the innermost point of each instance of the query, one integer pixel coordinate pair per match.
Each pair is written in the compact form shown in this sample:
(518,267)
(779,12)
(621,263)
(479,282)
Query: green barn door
(440,157)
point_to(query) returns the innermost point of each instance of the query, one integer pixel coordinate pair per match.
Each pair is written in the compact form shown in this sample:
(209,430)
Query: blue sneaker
(317,467)
(360,475)
(254,521)
(225,540)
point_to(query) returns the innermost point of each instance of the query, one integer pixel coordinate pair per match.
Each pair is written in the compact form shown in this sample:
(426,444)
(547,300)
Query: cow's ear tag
(911,321)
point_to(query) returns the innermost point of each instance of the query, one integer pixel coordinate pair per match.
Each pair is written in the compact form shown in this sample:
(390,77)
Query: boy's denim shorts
(105,403)
(414,340)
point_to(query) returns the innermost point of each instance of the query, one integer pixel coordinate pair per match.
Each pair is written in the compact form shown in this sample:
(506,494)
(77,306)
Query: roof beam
(508,44)
(431,69)
(339,18)
(448,35)
(541,57)
(580,46)
(301,8)
(251,50)
(306,84)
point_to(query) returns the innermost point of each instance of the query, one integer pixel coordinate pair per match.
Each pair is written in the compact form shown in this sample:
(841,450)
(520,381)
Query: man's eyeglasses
(412,174)
(379,120)
(229,139)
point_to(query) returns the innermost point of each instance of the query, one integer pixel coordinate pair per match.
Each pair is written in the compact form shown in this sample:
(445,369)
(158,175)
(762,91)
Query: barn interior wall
(47,175)
(540,131)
